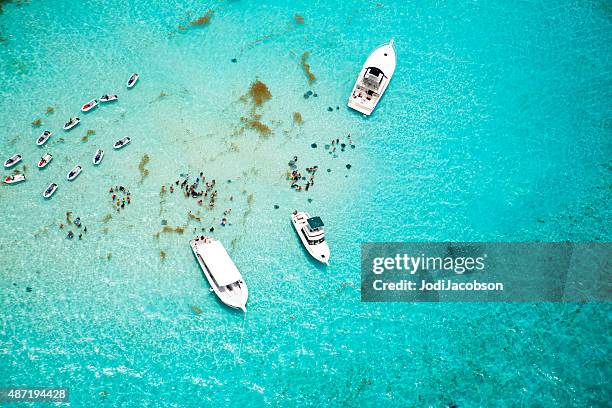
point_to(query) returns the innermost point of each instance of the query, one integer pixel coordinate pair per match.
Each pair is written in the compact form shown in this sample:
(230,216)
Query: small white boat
(46,159)
(373,79)
(98,156)
(108,98)
(71,123)
(42,139)
(50,190)
(17,178)
(122,142)
(310,231)
(221,272)
(13,160)
(74,172)
(132,80)
(89,105)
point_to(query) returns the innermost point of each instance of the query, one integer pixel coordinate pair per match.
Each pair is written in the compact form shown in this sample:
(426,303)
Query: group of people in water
(201,190)
(121,197)
(77,223)
(190,190)
(296,177)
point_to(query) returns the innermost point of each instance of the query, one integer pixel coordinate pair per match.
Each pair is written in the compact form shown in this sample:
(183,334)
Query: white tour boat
(71,123)
(373,79)
(42,139)
(13,160)
(17,178)
(310,231)
(46,159)
(74,172)
(221,272)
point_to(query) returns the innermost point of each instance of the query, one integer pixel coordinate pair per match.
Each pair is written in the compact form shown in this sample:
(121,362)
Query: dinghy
(13,160)
(132,81)
(74,172)
(71,123)
(42,139)
(50,190)
(310,231)
(17,178)
(373,79)
(89,105)
(98,157)
(221,272)
(46,159)
(108,98)
(122,142)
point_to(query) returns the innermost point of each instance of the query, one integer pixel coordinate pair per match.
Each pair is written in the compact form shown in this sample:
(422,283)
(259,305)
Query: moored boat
(72,122)
(74,172)
(132,80)
(124,141)
(14,179)
(89,105)
(108,98)
(42,139)
(373,79)
(221,272)
(13,160)
(50,190)
(45,160)
(98,156)
(310,231)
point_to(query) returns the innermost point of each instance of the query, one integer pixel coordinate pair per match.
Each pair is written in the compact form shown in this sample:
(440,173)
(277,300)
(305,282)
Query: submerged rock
(234,60)
(348,166)
(276,207)
(314,145)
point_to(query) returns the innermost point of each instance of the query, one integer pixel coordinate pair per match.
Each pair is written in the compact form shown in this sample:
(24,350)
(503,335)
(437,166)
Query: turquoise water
(496,126)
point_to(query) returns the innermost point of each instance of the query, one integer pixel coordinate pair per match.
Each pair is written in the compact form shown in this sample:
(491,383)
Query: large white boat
(373,79)
(310,231)
(221,272)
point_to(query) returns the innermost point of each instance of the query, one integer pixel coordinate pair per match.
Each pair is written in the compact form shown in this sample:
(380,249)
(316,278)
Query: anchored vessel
(124,141)
(98,157)
(310,231)
(17,178)
(89,105)
(13,160)
(74,172)
(71,123)
(373,79)
(42,139)
(45,160)
(132,80)
(108,98)
(221,272)
(50,190)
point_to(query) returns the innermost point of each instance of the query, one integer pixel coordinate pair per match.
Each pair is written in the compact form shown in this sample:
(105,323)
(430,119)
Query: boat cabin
(373,78)
(313,230)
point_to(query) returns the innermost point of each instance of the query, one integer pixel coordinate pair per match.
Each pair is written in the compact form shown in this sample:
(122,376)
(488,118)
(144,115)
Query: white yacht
(221,272)
(310,231)
(373,79)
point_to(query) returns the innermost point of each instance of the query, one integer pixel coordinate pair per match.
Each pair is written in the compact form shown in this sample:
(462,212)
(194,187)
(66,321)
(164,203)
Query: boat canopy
(315,222)
(219,263)
(373,77)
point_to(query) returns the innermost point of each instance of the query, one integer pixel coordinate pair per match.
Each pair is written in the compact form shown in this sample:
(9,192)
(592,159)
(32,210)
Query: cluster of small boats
(224,277)
(72,122)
